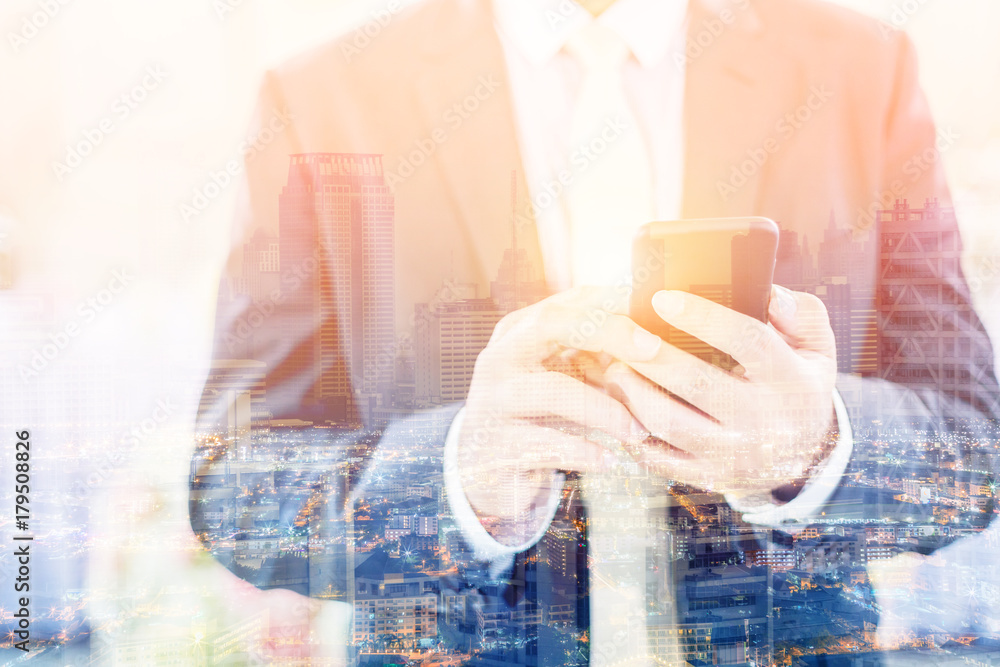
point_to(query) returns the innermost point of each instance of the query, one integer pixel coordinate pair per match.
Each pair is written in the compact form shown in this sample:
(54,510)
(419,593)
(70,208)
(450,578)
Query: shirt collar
(540,28)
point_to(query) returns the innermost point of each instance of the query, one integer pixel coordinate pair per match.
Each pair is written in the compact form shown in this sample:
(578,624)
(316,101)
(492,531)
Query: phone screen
(729,261)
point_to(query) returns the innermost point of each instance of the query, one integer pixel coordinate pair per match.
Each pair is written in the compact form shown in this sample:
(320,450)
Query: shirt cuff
(499,556)
(800,511)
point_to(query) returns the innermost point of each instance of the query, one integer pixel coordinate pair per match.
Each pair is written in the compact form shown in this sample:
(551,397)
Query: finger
(530,340)
(590,330)
(518,473)
(526,446)
(661,414)
(558,397)
(544,449)
(803,321)
(748,340)
(703,385)
(600,332)
(583,366)
(679,466)
(610,299)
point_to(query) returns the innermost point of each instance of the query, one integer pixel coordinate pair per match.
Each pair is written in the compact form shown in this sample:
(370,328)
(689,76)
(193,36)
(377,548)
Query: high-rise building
(393,608)
(724,610)
(924,340)
(836,296)
(844,282)
(793,262)
(449,339)
(426,525)
(261,264)
(336,227)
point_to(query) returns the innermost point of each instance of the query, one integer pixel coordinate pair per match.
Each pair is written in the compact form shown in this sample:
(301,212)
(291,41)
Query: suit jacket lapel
(469,98)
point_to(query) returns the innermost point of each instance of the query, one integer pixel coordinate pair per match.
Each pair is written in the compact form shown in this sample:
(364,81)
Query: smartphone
(726,260)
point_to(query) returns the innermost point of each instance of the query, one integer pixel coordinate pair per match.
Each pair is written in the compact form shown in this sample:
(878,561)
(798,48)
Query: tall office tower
(561,546)
(792,263)
(843,260)
(261,264)
(335,223)
(836,296)
(926,339)
(448,340)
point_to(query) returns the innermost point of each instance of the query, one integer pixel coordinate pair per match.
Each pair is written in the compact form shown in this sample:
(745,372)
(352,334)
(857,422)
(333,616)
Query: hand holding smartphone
(727,260)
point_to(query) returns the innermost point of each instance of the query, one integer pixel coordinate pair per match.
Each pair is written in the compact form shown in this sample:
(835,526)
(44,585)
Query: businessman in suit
(794,110)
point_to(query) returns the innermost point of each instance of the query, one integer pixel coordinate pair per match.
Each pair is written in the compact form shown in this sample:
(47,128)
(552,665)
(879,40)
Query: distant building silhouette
(339,205)
(448,341)
(241,382)
(261,267)
(843,275)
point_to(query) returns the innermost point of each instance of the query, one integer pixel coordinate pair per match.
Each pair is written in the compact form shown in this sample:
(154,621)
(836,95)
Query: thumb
(802,320)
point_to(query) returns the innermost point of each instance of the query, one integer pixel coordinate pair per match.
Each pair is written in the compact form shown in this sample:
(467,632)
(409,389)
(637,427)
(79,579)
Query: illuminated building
(391,607)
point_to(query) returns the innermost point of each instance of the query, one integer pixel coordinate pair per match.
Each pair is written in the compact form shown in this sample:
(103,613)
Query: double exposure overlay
(507,332)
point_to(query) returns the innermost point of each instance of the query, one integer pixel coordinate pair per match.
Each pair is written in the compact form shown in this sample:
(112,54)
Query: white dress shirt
(544,81)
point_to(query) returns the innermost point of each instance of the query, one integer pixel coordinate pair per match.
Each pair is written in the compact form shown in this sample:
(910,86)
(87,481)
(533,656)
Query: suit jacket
(797,110)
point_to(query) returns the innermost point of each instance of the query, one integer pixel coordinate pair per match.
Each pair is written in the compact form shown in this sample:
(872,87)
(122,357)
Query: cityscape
(286,496)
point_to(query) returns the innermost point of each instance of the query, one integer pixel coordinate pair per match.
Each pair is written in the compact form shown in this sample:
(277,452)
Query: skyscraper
(844,277)
(261,266)
(449,340)
(336,234)
(924,341)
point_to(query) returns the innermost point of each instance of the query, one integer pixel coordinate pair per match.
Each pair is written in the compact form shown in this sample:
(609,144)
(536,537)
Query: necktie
(611,196)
